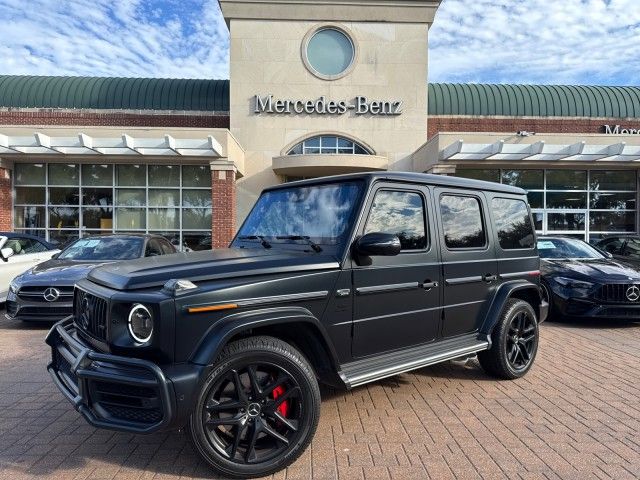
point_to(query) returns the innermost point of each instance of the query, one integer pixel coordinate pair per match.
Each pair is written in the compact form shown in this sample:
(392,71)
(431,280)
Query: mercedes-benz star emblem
(253,410)
(85,313)
(51,294)
(633,293)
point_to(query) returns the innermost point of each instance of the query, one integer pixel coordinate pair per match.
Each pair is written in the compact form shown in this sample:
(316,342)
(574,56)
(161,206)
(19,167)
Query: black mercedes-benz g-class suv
(343,280)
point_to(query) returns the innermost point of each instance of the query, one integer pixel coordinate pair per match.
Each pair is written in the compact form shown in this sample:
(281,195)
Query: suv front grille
(616,293)
(90,313)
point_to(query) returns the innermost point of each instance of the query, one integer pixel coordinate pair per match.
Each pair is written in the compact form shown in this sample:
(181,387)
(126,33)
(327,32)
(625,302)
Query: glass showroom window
(62,202)
(328,145)
(587,204)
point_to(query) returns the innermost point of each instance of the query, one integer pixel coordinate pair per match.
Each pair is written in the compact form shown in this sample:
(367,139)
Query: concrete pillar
(223,206)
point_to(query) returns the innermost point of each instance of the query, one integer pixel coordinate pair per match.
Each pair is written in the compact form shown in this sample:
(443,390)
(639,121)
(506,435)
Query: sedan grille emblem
(51,294)
(633,293)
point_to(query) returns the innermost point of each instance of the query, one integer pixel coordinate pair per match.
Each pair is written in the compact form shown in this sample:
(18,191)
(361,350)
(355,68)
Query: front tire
(514,342)
(258,409)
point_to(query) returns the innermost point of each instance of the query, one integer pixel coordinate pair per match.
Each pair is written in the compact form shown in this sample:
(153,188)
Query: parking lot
(575,415)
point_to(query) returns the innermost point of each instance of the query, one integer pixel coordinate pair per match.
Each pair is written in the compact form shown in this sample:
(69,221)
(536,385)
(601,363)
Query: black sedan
(623,247)
(45,292)
(582,281)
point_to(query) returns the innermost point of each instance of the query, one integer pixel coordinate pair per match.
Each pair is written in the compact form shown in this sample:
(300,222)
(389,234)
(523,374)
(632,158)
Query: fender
(503,293)
(224,329)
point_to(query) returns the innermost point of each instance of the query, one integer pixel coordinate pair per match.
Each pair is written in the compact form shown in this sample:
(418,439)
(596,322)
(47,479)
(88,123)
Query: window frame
(587,233)
(425,219)
(355,145)
(70,233)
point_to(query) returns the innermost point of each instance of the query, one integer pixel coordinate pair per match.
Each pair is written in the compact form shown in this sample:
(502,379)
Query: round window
(329,52)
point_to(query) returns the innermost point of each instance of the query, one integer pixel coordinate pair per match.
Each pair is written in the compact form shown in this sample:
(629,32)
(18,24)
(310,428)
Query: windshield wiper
(263,242)
(316,248)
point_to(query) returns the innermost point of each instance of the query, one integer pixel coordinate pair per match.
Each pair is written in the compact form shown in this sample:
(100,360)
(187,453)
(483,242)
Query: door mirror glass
(378,244)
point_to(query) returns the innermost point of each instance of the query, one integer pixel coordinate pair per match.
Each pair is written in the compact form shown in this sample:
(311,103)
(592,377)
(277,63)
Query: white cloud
(139,38)
(536,41)
(533,41)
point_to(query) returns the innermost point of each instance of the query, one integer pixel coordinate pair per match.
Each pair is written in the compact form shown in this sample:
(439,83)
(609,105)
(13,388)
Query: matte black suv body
(386,273)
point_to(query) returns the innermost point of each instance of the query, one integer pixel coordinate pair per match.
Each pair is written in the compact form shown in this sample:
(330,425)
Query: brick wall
(223,201)
(5,200)
(438,124)
(98,119)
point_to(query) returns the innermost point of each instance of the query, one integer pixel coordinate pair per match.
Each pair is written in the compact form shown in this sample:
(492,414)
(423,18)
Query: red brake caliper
(284,406)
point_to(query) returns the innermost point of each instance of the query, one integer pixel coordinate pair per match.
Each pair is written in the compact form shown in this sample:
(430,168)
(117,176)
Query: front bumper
(584,308)
(32,311)
(110,391)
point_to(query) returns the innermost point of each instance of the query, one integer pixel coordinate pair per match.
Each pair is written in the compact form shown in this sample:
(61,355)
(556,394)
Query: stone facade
(267,59)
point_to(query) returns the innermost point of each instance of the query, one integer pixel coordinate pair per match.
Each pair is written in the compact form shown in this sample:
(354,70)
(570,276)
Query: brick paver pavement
(575,415)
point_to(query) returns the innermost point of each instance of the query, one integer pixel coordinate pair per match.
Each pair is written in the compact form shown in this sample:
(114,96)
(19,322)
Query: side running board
(375,368)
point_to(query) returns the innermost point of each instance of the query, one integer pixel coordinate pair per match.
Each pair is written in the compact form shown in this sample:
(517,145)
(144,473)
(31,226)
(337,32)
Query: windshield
(566,248)
(320,214)
(107,248)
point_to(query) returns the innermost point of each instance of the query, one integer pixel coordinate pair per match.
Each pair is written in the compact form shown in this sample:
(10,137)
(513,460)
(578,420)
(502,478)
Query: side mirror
(377,244)
(55,255)
(5,253)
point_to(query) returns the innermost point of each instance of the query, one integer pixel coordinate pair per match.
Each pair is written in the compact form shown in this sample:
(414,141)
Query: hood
(207,265)
(599,270)
(60,272)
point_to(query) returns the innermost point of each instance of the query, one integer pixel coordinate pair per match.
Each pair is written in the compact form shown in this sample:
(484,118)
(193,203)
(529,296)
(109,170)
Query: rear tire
(258,409)
(514,341)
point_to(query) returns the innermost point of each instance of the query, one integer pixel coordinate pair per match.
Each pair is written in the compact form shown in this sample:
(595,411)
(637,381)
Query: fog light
(140,323)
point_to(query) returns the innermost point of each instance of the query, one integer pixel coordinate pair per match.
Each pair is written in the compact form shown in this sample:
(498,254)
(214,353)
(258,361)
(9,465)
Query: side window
(513,223)
(153,249)
(462,222)
(167,248)
(31,246)
(400,213)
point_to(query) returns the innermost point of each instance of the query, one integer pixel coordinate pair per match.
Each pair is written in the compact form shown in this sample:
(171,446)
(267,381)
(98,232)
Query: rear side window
(399,213)
(462,222)
(513,222)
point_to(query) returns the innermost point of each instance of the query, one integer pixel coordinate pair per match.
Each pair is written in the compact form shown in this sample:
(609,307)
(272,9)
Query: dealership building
(315,88)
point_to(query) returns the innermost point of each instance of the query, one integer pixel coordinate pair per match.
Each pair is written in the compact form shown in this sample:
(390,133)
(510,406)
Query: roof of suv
(409,177)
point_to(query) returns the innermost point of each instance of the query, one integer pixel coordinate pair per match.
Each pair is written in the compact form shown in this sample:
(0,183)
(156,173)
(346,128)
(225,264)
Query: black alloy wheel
(521,340)
(258,410)
(514,341)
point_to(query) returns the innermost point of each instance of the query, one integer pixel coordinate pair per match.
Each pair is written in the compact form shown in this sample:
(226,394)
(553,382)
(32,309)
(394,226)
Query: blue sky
(504,41)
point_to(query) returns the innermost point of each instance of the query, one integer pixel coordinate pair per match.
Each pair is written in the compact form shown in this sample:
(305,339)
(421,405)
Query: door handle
(490,278)
(429,285)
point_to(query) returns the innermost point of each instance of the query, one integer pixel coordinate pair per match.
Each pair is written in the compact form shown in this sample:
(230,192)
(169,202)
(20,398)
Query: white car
(18,253)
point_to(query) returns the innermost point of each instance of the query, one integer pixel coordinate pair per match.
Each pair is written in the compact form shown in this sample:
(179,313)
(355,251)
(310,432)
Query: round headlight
(140,323)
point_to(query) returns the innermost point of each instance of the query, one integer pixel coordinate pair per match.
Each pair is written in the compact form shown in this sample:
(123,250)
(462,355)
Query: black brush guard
(110,391)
